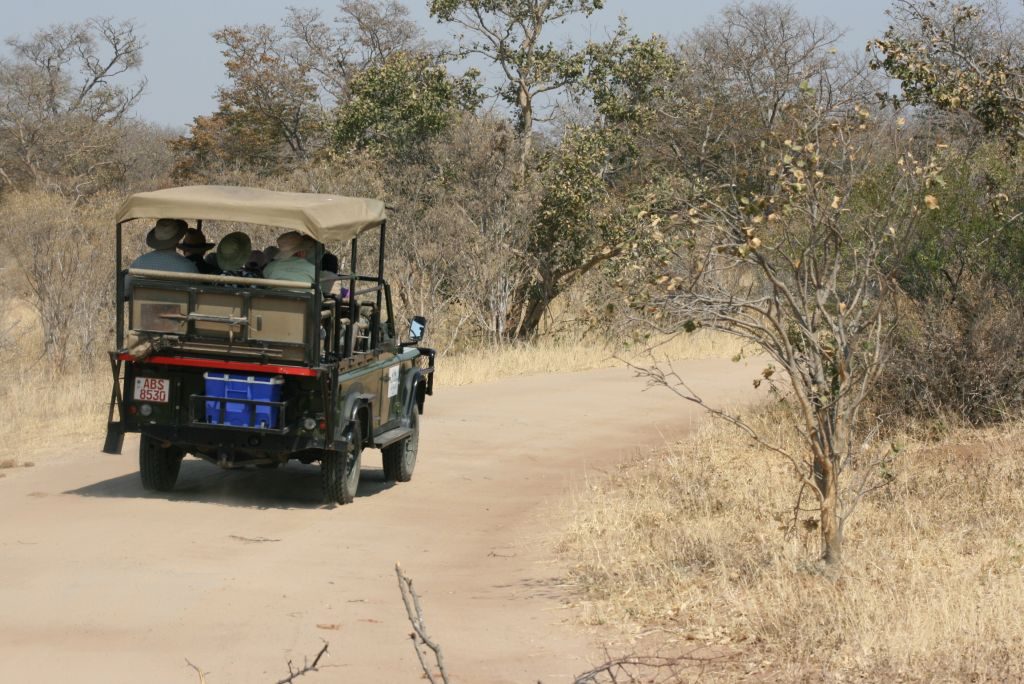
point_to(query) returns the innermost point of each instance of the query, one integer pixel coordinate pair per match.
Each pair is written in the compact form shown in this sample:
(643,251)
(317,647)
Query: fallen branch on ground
(306,668)
(419,634)
(202,675)
(648,669)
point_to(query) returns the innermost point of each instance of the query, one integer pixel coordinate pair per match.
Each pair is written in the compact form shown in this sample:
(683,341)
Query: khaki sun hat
(233,251)
(166,233)
(290,243)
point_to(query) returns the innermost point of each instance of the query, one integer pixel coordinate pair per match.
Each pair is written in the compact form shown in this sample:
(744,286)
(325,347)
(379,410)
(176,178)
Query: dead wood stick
(202,675)
(307,667)
(415,613)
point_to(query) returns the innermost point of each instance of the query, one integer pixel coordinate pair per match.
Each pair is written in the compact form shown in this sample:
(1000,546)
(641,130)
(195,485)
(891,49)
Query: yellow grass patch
(691,540)
(41,412)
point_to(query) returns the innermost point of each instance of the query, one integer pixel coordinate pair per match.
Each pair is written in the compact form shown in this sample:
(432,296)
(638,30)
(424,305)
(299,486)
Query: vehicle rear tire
(158,465)
(400,458)
(339,470)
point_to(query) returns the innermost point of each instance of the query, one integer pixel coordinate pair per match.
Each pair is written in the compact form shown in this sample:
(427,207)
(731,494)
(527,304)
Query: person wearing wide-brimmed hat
(194,246)
(163,238)
(290,262)
(233,252)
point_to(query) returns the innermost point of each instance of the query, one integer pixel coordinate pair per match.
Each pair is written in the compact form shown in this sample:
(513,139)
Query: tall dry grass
(694,541)
(46,413)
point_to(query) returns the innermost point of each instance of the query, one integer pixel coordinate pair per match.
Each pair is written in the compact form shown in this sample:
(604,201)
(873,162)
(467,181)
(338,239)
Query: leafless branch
(634,669)
(199,673)
(307,666)
(419,634)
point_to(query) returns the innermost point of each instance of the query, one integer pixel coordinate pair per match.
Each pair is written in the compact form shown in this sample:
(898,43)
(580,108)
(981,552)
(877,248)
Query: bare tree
(60,252)
(741,73)
(509,34)
(364,34)
(61,99)
(805,271)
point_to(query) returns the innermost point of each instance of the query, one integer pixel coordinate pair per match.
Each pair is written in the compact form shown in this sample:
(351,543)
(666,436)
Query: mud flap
(115,428)
(115,438)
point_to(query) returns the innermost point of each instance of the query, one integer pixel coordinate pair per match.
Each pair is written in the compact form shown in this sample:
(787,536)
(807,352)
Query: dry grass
(690,541)
(42,412)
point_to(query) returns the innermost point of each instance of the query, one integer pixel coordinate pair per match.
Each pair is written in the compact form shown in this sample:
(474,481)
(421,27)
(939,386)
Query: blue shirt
(165,260)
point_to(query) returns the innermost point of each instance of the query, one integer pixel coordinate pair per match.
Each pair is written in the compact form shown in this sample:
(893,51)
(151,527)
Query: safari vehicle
(247,372)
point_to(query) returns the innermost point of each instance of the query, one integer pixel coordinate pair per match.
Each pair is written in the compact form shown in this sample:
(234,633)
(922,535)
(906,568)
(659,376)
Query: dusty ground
(241,571)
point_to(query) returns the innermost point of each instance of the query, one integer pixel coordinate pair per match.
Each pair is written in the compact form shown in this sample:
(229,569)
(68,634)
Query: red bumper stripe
(223,365)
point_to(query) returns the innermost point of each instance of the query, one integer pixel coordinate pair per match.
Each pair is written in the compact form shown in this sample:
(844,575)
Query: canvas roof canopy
(322,217)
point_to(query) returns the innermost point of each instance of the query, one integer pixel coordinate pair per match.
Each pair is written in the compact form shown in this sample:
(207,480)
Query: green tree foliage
(401,104)
(625,77)
(592,192)
(284,82)
(957,58)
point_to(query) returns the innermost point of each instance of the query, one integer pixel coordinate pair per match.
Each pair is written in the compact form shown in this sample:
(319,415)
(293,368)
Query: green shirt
(292,268)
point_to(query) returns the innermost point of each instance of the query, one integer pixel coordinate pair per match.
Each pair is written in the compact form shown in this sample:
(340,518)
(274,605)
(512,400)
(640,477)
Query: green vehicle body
(346,381)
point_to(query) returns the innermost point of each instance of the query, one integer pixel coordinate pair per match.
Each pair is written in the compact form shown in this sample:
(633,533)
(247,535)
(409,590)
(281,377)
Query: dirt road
(241,571)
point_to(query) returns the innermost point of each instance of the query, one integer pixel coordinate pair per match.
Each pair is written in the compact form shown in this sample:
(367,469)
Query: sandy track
(241,571)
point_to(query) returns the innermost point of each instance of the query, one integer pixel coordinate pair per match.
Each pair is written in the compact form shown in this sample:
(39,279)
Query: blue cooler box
(227,386)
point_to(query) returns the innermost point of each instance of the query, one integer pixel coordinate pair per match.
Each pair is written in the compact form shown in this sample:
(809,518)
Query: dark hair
(329,263)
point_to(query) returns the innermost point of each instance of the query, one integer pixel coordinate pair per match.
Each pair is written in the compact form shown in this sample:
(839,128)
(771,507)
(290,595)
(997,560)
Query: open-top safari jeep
(255,372)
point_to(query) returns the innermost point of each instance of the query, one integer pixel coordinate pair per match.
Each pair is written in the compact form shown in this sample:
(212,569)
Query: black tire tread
(398,465)
(337,469)
(158,466)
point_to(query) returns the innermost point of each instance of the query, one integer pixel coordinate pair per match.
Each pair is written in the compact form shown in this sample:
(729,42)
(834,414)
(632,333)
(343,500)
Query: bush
(63,269)
(961,358)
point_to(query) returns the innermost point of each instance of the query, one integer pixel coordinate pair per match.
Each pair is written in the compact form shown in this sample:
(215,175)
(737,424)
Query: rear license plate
(155,390)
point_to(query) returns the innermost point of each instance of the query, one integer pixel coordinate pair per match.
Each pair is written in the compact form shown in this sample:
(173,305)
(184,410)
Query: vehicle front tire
(339,470)
(158,465)
(400,458)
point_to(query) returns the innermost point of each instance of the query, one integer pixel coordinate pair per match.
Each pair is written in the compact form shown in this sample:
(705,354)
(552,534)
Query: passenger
(194,246)
(163,238)
(330,281)
(233,253)
(257,261)
(291,262)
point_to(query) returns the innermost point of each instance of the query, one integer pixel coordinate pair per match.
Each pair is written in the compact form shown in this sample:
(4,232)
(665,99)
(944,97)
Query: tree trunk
(536,307)
(525,102)
(831,525)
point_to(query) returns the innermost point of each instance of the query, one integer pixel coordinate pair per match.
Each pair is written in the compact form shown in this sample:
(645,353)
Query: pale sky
(184,66)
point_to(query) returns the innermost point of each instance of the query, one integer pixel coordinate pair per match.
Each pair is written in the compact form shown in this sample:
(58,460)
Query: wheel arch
(357,407)
(414,391)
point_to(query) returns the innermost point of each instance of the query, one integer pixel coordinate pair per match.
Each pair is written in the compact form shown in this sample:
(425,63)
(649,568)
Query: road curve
(240,572)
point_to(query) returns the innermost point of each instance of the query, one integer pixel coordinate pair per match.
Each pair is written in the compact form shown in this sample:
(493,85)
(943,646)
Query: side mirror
(417,328)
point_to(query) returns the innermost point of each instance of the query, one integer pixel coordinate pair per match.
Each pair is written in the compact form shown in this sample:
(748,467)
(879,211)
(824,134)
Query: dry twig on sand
(648,669)
(419,634)
(202,675)
(307,667)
